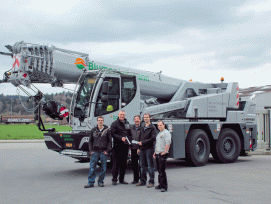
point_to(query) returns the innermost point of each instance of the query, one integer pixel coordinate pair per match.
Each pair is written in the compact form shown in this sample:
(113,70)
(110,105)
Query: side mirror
(105,88)
(104,98)
(36,117)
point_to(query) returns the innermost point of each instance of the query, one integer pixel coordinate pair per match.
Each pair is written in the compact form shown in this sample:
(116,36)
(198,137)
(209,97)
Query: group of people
(146,146)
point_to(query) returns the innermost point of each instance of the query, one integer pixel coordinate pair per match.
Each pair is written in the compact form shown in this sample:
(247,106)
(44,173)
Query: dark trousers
(147,164)
(135,160)
(161,167)
(119,155)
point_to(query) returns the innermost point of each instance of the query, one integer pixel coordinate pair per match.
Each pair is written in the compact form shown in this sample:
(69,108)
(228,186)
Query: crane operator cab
(103,93)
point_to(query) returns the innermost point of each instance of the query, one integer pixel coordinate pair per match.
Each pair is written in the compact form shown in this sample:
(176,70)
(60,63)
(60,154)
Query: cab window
(112,104)
(128,89)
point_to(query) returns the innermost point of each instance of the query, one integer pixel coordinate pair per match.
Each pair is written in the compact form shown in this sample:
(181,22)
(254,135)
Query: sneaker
(157,187)
(150,185)
(123,182)
(134,182)
(114,183)
(163,190)
(141,184)
(88,186)
(101,184)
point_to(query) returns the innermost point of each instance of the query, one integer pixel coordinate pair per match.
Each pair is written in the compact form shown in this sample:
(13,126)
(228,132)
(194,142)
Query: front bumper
(78,154)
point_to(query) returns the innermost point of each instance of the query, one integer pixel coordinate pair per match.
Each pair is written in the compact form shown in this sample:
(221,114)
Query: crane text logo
(79,62)
(93,66)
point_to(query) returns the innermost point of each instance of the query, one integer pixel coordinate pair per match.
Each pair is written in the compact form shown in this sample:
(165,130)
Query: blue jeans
(147,164)
(94,158)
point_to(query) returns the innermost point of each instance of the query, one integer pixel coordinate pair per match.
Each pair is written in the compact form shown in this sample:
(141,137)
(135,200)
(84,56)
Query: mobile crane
(203,118)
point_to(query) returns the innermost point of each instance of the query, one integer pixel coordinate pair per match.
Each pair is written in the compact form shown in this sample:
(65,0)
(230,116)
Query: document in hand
(128,140)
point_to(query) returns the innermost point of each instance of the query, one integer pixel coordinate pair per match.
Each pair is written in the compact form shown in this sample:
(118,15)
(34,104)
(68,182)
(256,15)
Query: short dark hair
(137,116)
(147,114)
(161,121)
(100,117)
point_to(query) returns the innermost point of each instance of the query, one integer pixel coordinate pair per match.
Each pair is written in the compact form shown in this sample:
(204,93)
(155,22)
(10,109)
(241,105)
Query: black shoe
(114,183)
(89,186)
(163,190)
(141,184)
(134,182)
(101,184)
(123,182)
(157,187)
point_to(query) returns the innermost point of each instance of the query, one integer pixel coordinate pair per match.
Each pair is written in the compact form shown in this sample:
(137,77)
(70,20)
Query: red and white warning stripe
(16,61)
(64,112)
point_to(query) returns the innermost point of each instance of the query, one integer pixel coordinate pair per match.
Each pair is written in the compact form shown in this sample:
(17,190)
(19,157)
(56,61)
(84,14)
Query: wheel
(197,147)
(228,146)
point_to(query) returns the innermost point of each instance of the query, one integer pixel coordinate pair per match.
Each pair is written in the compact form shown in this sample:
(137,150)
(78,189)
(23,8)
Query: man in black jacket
(147,140)
(135,130)
(100,142)
(120,130)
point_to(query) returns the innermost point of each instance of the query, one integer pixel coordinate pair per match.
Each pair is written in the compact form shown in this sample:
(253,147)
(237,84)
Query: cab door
(113,102)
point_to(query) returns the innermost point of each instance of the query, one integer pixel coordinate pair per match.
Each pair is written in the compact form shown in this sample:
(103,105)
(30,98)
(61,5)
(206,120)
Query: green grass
(26,132)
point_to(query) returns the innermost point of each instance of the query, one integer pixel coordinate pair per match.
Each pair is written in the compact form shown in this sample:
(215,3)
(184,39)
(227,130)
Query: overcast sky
(202,40)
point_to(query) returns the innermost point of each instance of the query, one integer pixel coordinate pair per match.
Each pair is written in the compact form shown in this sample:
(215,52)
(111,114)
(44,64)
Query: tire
(197,147)
(228,146)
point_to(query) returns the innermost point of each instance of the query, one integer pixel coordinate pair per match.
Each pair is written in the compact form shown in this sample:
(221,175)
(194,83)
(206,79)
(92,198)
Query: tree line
(15,105)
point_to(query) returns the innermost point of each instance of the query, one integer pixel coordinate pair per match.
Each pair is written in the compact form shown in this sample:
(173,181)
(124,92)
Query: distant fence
(263,117)
(17,119)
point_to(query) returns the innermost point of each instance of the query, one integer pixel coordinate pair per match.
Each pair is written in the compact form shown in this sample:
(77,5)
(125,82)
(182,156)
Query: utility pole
(11,106)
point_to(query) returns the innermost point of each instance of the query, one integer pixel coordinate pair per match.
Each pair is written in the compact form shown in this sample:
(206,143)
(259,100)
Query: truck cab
(103,93)
(98,93)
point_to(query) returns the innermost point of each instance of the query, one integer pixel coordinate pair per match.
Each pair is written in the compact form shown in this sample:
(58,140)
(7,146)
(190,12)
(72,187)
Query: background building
(261,95)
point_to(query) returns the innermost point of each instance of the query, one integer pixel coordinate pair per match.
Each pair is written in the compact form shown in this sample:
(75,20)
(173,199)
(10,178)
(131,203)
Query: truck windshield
(81,103)
(85,90)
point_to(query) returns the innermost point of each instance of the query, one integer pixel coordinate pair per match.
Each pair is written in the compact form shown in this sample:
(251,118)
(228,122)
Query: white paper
(128,140)
(135,142)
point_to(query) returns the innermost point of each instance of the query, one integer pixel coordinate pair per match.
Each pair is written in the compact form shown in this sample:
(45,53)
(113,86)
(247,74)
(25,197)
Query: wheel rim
(200,148)
(228,146)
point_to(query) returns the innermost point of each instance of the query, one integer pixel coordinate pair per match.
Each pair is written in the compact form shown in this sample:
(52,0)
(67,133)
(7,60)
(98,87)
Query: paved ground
(32,174)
